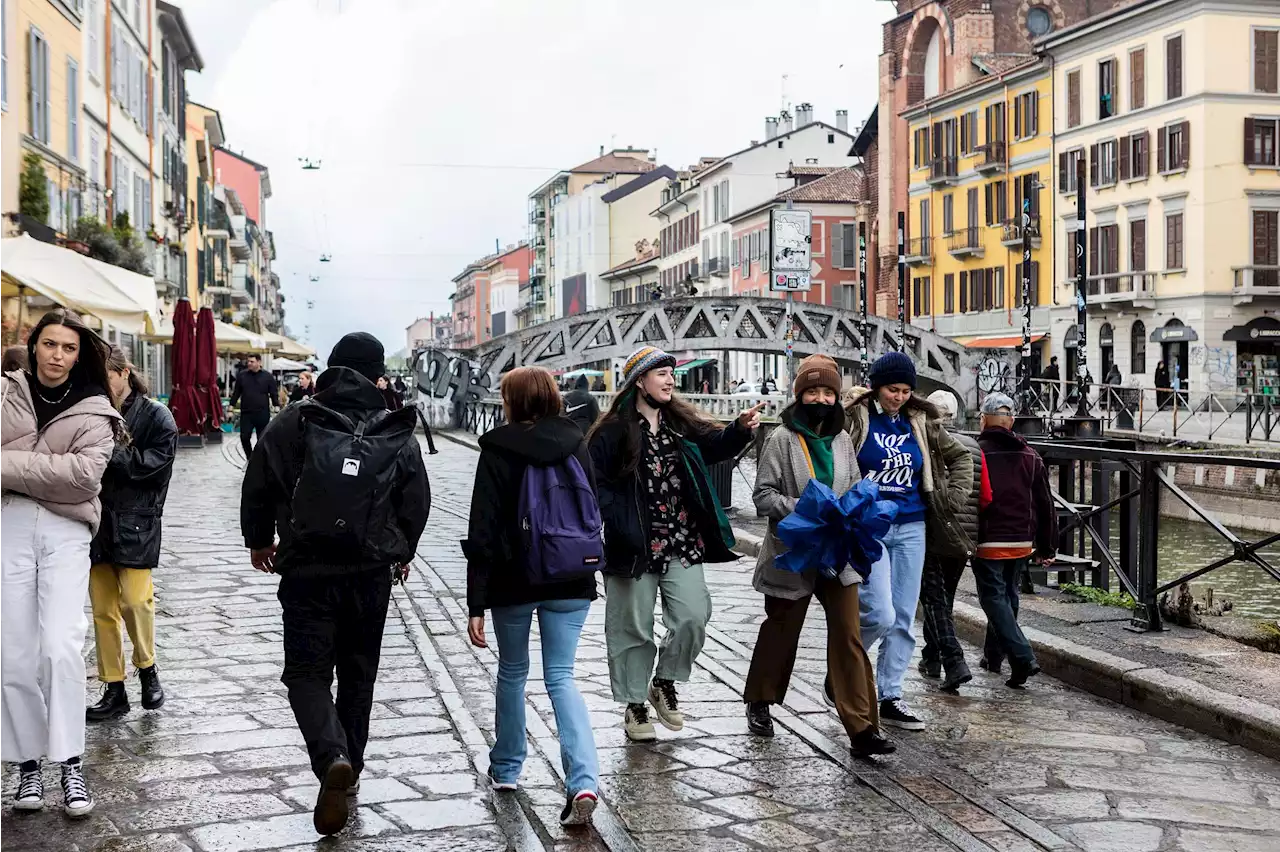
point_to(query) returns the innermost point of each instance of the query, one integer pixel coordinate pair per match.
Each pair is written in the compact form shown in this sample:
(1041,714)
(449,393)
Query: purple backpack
(560,523)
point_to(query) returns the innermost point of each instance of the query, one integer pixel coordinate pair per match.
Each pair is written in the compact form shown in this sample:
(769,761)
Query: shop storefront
(1257,357)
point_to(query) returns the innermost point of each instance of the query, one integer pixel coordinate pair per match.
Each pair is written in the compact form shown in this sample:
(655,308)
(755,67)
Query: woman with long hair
(812,444)
(389,394)
(305,388)
(903,448)
(662,521)
(536,435)
(59,431)
(127,546)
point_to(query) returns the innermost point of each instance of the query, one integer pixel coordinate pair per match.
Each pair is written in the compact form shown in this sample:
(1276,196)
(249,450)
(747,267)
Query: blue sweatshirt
(891,458)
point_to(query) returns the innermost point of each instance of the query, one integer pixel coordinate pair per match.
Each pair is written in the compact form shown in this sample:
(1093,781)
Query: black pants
(333,622)
(252,421)
(937,599)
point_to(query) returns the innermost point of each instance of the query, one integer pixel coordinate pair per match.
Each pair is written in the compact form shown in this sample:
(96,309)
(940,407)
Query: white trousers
(44,575)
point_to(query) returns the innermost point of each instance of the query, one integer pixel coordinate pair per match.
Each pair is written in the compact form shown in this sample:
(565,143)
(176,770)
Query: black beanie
(893,368)
(361,352)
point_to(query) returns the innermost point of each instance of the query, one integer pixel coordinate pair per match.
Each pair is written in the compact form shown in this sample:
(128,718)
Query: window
(948,213)
(1138,347)
(1068,170)
(995,123)
(1033,286)
(1260,137)
(925,228)
(1024,186)
(1266,240)
(1138,245)
(964,291)
(1174,147)
(95,45)
(1173,68)
(95,178)
(921,296)
(715,204)
(969,132)
(921,148)
(1137,78)
(55,205)
(1104,163)
(1039,21)
(724,200)
(1266,47)
(1135,156)
(1173,258)
(1073,99)
(73,111)
(38,86)
(1026,115)
(997,203)
(849,244)
(1104,250)
(1107,88)
(949,293)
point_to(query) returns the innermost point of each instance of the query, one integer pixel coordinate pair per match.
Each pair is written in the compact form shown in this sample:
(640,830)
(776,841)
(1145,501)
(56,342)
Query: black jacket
(626,511)
(495,568)
(255,391)
(1017,502)
(134,487)
(276,464)
(581,407)
(299,393)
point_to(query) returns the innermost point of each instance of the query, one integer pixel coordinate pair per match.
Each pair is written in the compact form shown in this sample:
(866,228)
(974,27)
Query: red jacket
(1017,508)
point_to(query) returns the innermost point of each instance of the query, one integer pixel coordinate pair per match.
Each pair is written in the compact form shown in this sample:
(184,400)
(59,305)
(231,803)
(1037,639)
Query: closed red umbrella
(183,402)
(207,370)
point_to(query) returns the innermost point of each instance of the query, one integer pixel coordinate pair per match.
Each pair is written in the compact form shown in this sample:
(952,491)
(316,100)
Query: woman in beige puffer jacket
(58,429)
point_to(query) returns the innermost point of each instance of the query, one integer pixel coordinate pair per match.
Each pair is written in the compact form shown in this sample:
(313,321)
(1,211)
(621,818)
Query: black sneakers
(332,809)
(30,795)
(895,712)
(579,808)
(759,721)
(113,703)
(870,742)
(76,801)
(152,693)
(828,694)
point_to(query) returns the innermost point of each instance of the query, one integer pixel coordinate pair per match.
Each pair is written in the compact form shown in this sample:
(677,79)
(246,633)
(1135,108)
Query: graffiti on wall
(1219,368)
(449,376)
(994,374)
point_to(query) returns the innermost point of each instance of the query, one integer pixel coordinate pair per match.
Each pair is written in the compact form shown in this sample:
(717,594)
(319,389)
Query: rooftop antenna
(308,165)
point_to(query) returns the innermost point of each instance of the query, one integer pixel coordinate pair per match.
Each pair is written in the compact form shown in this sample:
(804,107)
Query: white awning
(287,365)
(231,338)
(288,347)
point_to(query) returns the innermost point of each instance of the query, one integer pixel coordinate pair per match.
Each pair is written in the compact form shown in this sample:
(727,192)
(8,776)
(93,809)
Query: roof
(191,58)
(475,266)
(806,171)
(241,157)
(840,187)
(724,160)
(1121,10)
(660,173)
(1027,66)
(1000,63)
(212,123)
(867,136)
(614,164)
(494,258)
(635,264)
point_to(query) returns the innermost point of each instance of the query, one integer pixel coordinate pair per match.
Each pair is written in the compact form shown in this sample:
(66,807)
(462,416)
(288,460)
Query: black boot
(958,674)
(114,702)
(152,692)
(870,741)
(759,722)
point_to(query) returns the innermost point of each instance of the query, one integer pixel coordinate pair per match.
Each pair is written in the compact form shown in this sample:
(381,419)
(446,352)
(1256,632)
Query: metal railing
(919,249)
(1012,230)
(992,156)
(1118,286)
(965,240)
(942,169)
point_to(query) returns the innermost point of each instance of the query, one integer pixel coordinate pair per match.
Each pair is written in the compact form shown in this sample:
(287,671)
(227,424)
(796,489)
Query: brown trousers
(852,678)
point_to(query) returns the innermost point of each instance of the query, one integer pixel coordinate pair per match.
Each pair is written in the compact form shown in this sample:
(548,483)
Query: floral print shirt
(671,529)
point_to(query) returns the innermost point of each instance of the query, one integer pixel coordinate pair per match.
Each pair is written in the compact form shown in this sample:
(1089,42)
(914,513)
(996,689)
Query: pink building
(250,180)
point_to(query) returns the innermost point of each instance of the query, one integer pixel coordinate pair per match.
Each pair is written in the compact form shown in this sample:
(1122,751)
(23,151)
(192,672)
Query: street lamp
(724,355)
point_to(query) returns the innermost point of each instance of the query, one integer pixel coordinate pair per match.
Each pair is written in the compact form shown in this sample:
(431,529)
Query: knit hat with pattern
(643,360)
(816,371)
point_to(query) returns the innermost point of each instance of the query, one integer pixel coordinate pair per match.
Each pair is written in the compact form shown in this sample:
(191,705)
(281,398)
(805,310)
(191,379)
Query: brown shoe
(332,809)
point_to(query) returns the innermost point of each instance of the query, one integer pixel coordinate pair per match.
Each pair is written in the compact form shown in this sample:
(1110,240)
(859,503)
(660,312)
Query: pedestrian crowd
(335,498)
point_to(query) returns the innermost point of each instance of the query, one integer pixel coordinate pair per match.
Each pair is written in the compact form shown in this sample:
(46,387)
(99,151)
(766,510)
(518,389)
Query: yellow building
(976,153)
(204,132)
(42,96)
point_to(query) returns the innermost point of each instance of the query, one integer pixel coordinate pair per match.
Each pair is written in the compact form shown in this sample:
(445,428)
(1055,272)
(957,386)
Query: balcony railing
(1012,235)
(718,266)
(991,157)
(920,251)
(1256,280)
(1121,286)
(966,241)
(537,271)
(538,214)
(943,170)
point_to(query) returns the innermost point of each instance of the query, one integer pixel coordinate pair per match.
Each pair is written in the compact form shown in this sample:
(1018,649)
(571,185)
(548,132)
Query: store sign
(1174,334)
(1257,333)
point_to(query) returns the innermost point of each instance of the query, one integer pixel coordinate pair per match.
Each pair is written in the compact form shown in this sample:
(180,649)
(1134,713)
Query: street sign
(790,236)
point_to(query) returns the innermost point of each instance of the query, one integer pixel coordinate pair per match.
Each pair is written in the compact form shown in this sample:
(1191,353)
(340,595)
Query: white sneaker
(579,808)
(637,724)
(662,695)
(30,795)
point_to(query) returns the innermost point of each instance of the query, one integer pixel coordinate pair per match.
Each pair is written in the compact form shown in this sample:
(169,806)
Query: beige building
(203,134)
(1174,105)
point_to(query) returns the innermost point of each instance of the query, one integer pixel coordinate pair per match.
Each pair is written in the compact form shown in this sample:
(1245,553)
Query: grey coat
(782,474)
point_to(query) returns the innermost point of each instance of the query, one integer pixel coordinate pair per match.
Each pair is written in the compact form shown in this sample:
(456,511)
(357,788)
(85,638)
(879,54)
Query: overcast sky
(434,120)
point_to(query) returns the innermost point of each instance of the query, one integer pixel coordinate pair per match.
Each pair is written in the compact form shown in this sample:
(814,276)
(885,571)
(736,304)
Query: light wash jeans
(888,605)
(560,623)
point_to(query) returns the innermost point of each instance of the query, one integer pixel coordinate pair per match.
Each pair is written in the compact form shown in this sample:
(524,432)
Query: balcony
(991,158)
(1255,280)
(168,273)
(718,266)
(1120,287)
(920,251)
(538,214)
(966,242)
(240,279)
(539,242)
(239,242)
(943,171)
(537,272)
(1012,235)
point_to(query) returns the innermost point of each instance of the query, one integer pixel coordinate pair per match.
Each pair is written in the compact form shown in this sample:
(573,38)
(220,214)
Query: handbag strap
(808,459)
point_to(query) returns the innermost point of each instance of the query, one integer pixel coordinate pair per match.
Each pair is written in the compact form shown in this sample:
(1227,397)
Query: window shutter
(1125,144)
(1185,155)
(1138,245)
(1248,142)
(991,208)
(1017,116)
(1113,249)
(1093,165)
(1162,140)
(1093,252)
(1062,172)
(1260,236)
(837,245)
(1034,103)
(1142,163)
(1073,99)
(964,291)
(1137,81)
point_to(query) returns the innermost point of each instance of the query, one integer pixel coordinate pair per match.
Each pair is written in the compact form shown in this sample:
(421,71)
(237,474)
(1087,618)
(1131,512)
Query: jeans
(560,624)
(888,605)
(937,599)
(333,622)
(998,581)
(252,421)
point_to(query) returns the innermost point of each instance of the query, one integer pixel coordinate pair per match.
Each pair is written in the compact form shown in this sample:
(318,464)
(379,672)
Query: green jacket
(947,475)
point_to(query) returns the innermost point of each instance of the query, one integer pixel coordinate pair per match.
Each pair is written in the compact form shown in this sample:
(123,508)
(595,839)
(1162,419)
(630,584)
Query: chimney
(601,150)
(842,120)
(804,114)
(770,128)
(784,122)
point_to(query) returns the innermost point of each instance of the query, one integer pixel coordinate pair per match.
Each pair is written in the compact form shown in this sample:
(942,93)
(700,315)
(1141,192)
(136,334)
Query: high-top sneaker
(637,724)
(152,692)
(662,695)
(30,795)
(76,801)
(113,703)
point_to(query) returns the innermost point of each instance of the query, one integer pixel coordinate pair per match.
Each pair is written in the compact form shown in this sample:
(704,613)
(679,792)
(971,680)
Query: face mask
(816,413)
(651,401)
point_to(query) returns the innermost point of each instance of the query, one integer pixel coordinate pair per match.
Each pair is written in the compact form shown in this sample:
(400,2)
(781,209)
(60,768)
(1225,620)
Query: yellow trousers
(122,595)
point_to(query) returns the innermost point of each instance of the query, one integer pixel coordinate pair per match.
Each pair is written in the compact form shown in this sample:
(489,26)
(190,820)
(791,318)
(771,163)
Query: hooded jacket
(60,466)
(273,471)
(1017,503)
(581,407)
(495,564)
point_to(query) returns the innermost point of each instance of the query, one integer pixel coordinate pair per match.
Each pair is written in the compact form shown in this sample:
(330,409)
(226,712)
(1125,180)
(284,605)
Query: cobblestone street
(222,768)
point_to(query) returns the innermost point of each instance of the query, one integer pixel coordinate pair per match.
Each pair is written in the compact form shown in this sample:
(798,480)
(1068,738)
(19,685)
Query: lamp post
(724,356)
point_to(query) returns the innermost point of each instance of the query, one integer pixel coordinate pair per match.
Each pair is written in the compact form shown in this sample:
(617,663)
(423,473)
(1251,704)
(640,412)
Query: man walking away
(580,406)
(341,480)
(1050,384)
(255,392)
(1017,523)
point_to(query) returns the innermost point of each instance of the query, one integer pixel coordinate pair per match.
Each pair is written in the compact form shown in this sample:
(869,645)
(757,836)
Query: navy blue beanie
(893,368)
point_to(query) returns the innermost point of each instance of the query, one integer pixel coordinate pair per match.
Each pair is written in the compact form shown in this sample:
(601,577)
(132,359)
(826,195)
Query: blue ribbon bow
(826,532)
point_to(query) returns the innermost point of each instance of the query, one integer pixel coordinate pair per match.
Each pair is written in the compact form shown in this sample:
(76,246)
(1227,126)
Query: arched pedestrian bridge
(707,323)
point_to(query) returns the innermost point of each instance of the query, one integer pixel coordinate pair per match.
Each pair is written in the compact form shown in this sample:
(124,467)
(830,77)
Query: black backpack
(343,494)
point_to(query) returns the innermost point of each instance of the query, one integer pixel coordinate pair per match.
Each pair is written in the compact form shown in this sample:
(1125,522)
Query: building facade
(203,134)
(1174,107)
(471,306)
(507,272)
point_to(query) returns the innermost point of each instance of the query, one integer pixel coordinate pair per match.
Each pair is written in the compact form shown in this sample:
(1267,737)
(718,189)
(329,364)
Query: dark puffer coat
(967,515)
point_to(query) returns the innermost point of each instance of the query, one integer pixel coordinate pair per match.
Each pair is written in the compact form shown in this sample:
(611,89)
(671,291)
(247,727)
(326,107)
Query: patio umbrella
(207,370)
(184,401)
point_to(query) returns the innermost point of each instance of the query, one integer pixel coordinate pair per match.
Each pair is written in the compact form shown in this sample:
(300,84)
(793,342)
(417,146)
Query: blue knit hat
(893,368)
(643,360)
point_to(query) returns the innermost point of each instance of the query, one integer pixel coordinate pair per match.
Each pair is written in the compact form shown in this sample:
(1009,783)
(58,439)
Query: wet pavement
(221,768)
